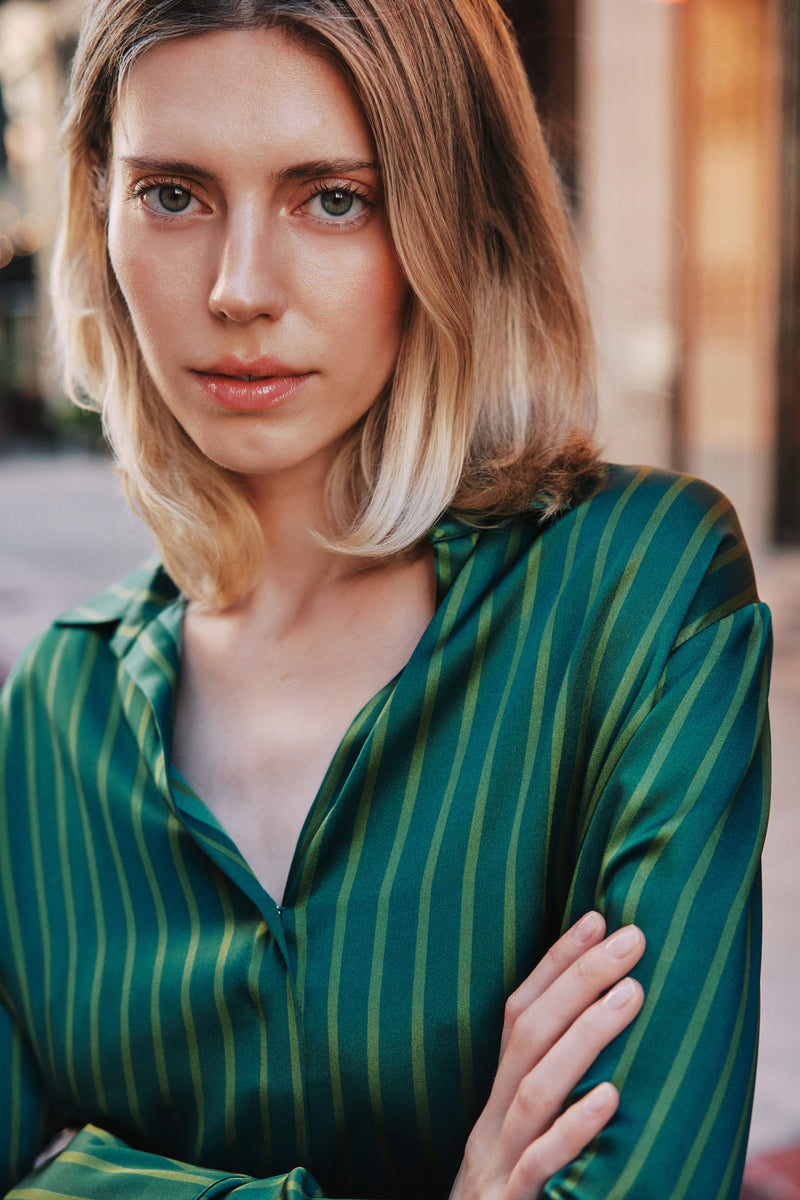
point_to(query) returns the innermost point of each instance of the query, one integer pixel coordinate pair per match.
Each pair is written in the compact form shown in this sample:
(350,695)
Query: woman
(290,822)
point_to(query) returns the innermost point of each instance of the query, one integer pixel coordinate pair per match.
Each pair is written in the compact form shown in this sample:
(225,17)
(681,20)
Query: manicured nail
(623,942)
(600,1098)
(619,996)
(587,927)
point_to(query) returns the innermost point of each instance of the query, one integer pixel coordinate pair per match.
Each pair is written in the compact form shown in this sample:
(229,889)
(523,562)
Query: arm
(555,1025)
(673,824)
(24,1126)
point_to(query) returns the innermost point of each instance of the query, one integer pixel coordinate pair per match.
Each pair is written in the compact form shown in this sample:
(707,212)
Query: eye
(171,199)
(334,205)
(174,199)
(338,203)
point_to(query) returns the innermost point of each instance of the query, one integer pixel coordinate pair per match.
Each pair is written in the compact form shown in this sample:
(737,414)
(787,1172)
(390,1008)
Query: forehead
(248,90)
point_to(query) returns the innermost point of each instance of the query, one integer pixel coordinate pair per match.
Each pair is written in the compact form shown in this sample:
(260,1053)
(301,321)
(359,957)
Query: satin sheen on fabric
(582,725)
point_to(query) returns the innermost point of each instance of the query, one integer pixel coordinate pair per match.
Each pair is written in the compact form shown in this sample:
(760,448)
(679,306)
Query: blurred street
(65,533)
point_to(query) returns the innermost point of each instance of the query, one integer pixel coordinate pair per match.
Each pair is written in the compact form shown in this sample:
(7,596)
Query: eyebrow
(304,170)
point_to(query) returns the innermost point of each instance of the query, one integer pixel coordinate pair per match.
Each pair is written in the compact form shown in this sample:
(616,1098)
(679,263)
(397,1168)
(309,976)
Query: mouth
(250,387)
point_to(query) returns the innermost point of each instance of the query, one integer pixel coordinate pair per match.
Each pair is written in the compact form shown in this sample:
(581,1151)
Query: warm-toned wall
(679,117)
(728,205)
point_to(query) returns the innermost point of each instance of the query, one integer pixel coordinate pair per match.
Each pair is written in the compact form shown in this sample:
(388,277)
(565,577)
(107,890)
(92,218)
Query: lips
(252,386)
(249,369)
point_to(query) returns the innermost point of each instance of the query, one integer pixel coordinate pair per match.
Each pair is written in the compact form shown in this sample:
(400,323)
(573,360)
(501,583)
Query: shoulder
(104,624)
(663,502)
(639,548)
(662,546)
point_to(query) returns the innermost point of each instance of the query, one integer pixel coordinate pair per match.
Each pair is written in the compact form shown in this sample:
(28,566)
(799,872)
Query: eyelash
(138,191)
(325,188)
(322,188)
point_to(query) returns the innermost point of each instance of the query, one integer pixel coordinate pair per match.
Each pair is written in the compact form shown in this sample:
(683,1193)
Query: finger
(542,1093)
(584,934)
(562,1142)
(548,1018)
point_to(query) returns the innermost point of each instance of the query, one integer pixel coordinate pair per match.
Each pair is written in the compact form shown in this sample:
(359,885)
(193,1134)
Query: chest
(257,730)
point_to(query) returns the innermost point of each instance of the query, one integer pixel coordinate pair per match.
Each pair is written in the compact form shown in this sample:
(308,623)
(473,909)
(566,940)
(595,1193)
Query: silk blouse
(582,725)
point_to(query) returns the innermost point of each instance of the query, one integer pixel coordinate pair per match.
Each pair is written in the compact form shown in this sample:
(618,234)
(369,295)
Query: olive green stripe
(737,551)
(529,593)
(669,956)
(452,606)
(162,925)
(718,1097)
(254,987)
(339,932)
(539,709)
(111,1168)
(298,1073)
(609,532)
(467,922)
(79,699)
(691,1038)
(600,558)
(647,781)
(668,960)
(175,830)
(635,559)
(422,948)
(119,865)
(741,1133)
(600,751)
(36,841)
(702,774)
(541,681)
(321,810)
(145,642)
(228,1040)
(128,1071)
(95,885)
(101,781)
(615,709)
(742,600)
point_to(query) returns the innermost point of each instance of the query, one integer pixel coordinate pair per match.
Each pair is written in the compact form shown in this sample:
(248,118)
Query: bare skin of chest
(261,711)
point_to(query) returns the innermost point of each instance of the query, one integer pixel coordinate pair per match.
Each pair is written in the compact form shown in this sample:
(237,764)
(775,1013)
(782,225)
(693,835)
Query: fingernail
(619,996)
(599,1099)
(623,942)
(587,927)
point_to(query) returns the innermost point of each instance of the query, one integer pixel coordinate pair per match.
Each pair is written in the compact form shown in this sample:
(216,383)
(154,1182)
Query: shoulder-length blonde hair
(493,388)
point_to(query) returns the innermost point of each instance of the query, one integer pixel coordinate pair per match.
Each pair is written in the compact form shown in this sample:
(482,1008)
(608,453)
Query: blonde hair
(493,389)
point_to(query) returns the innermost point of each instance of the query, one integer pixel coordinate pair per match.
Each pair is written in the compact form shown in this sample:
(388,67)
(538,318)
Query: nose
(249,276)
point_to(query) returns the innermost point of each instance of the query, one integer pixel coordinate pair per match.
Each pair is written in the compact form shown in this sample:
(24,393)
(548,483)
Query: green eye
(336,203)
(174,199)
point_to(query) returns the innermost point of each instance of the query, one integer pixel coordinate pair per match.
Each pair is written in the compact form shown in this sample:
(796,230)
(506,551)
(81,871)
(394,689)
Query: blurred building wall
(679,116)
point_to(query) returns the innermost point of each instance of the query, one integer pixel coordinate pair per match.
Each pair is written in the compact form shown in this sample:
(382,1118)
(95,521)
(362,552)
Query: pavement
(66,533)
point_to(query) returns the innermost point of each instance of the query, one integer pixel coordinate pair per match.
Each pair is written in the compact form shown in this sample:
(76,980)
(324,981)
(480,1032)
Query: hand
(555,1027)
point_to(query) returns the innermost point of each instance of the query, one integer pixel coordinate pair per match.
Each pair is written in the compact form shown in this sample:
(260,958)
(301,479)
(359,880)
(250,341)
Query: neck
(296,569)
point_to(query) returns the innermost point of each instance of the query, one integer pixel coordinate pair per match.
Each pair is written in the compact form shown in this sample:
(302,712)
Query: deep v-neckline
(216,837)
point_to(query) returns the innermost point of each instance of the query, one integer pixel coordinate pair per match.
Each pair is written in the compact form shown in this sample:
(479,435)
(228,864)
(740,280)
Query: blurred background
(675,125)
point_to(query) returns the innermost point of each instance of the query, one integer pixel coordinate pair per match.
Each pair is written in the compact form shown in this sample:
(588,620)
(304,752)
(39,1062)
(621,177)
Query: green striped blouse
(582,724)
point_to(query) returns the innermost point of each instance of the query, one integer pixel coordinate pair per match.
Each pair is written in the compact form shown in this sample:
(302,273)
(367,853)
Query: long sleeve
(582,725)
(98,1165)
(672,831)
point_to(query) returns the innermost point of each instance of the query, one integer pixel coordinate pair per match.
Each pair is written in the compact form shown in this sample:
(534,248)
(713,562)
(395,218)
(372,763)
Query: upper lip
(259,368)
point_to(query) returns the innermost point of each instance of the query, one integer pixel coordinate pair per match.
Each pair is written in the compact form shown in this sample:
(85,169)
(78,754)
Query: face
(248,237)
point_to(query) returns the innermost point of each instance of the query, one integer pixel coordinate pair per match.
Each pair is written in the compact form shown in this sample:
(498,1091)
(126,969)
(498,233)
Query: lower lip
(256,395)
